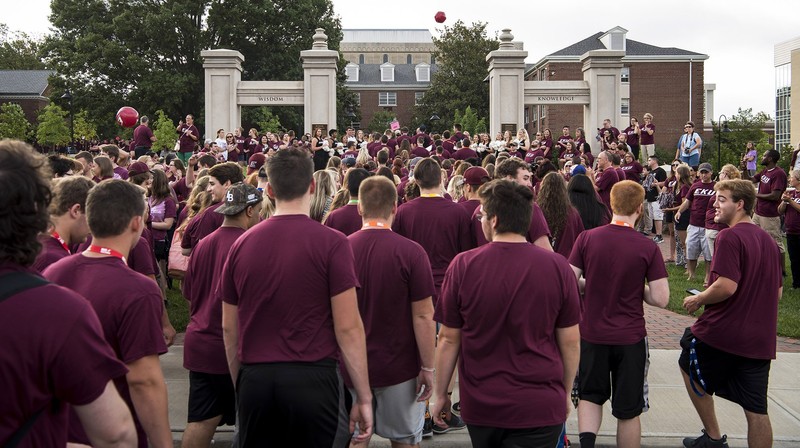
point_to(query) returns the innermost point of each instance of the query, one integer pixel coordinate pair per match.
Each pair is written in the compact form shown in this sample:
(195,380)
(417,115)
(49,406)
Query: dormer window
(351,70)
(423,72)
(387,72)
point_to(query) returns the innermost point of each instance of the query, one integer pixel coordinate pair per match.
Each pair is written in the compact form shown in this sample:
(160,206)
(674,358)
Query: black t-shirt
(651,195)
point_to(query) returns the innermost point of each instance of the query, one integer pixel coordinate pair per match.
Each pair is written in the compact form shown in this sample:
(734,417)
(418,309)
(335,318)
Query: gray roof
(373,35)
(633,48)
(404,74)
(23,82)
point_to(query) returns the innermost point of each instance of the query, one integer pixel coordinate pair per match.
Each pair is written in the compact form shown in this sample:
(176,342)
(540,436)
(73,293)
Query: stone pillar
(506,85)
(602,70)
(319,82)
(223,72)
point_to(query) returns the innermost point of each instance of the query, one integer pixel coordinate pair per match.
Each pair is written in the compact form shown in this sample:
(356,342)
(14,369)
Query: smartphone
(693,291)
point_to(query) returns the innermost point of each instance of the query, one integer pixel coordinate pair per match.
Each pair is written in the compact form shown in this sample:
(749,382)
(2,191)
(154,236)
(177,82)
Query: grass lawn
(788,307)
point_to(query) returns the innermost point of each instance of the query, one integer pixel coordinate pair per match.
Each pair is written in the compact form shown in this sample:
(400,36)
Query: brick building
(666,82)
(28,88)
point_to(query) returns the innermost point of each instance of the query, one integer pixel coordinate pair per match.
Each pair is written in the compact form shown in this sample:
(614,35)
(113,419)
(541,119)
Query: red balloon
(440,17)
(127,117)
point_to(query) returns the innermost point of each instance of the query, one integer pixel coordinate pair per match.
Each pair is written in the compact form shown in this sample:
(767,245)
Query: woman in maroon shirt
(546,143)
(633,132)
(562,218)
(667,187)
(790,206)
(681,190)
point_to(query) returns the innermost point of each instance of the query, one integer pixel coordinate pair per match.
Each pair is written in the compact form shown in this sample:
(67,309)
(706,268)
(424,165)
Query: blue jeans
(692,160)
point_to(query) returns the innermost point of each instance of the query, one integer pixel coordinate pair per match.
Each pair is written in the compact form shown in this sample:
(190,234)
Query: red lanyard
(376,225)
(61,240)
(621,223)
(430,195)
(106,251)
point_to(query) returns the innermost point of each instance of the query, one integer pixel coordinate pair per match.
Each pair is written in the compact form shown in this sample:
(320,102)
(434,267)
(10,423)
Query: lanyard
(376,225)
(621,223)
(430,195)
(352,202)
(61,240)
(106,251)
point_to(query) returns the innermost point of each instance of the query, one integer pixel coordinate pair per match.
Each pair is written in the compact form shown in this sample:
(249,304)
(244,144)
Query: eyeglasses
(674,164)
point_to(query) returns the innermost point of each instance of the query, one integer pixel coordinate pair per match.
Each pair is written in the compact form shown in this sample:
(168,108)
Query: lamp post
(434,118)
(351,115)
(68,96)
(720,130)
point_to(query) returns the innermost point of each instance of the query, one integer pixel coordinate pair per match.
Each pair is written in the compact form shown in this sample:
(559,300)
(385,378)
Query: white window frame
(418,98)
(387,72)
(625,106)
(423,72)
(625,75)
(352,72)
(386,99)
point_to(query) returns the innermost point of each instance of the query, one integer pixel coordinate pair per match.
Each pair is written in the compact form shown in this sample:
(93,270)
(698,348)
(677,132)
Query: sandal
(669,260)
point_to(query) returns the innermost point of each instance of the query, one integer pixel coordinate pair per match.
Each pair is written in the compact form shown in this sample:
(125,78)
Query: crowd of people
(338,286)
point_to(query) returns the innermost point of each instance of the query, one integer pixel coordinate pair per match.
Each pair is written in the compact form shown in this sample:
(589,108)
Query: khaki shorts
(772,226)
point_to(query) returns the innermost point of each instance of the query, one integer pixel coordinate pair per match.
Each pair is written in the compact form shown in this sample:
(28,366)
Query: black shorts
(741,380)
(210,396)
(669,217)
(292,404)
(683,223)
(617,372)
(489,437)
(161,249)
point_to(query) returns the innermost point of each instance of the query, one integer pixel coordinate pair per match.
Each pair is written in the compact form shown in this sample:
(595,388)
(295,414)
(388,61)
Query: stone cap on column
(319,52)
(602,59)
(222,58)
(509,52)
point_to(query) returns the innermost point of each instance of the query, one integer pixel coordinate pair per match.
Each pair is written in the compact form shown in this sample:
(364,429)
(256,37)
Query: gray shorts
(696,243)
(656,214)
(397,414)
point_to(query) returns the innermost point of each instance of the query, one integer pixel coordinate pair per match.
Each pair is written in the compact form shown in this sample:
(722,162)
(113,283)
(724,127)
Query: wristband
(426,369)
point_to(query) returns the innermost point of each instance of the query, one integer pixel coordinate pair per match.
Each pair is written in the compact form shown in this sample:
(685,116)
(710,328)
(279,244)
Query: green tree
(83,127)
(458,83)
(261,118)
(380,121)
(744,126)
(52,130)
(469,121)
(13,123)
(164,131)
(18,51)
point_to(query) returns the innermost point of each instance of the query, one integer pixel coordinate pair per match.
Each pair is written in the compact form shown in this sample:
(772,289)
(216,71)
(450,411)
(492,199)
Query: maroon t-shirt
(419,151)
(574,226)
(345,219)
(141,137)
(285,311)
(121,172)
(547,146)
(532,154)
(633,137)
(792,221)
(52,251)
(58,357)
(470,205)
(465,153)
(510,367)
(448,145)
(187,143)
(440,226)
(537,229)
(614,292)
(700,194)
(745,323)
(620,173)
(394,272)
(633,171)
(607,178)
(182,192)
(645,138)
(769,181)
(204,350)
(202,225)
(129,307)
(140,258)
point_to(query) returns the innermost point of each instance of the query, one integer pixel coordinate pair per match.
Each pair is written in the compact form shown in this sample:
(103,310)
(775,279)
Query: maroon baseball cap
(476,176)
(138,168)
(255,163)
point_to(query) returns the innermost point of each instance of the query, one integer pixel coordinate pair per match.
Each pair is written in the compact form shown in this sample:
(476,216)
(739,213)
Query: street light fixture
(434,118)
(68,96)
(722,126)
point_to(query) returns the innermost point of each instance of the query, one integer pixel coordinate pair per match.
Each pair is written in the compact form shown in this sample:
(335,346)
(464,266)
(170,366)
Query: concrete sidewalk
(671,416)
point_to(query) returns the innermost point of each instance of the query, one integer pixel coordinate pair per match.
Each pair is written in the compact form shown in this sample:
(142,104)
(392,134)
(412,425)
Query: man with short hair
(565,137)
(143,138)
(347,219)
(465,151)
(49,331)
(396,307)
(221,177)
(604,180)
(770,183)
(68,217)
(729,348)
(518,172)
(212,399)
(652,191)
(189,136)
(474,178)
(61,166)
(518,352)
(128,304)
(614,351)
(285,327)
(699,194)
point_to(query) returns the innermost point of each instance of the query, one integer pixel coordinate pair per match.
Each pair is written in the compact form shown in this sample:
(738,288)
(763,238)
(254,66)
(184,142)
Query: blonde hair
(456,187)
(323,195)
(731,172)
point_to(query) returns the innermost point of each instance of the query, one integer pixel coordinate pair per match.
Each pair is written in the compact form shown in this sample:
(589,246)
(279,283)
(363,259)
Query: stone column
(319,82)
(506,85)
(602,70)
(223,72)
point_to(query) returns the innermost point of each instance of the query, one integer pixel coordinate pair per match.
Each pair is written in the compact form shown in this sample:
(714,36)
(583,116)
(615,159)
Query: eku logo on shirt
(704,192)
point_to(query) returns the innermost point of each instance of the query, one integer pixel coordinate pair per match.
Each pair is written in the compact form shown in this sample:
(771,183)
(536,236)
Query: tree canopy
(744,126)
(19,51)
(460,55)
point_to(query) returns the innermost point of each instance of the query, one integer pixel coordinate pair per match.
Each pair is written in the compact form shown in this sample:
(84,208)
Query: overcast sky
(738,35)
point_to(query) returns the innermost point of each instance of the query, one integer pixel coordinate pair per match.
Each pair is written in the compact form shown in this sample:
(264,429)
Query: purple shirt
(769,181)
(607,178)
(141,137)
(700,194)
(745,323)
(187,144)
(646,138)
(465,153)
(202,225)
(792,216)
(345,219)
(52,251)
